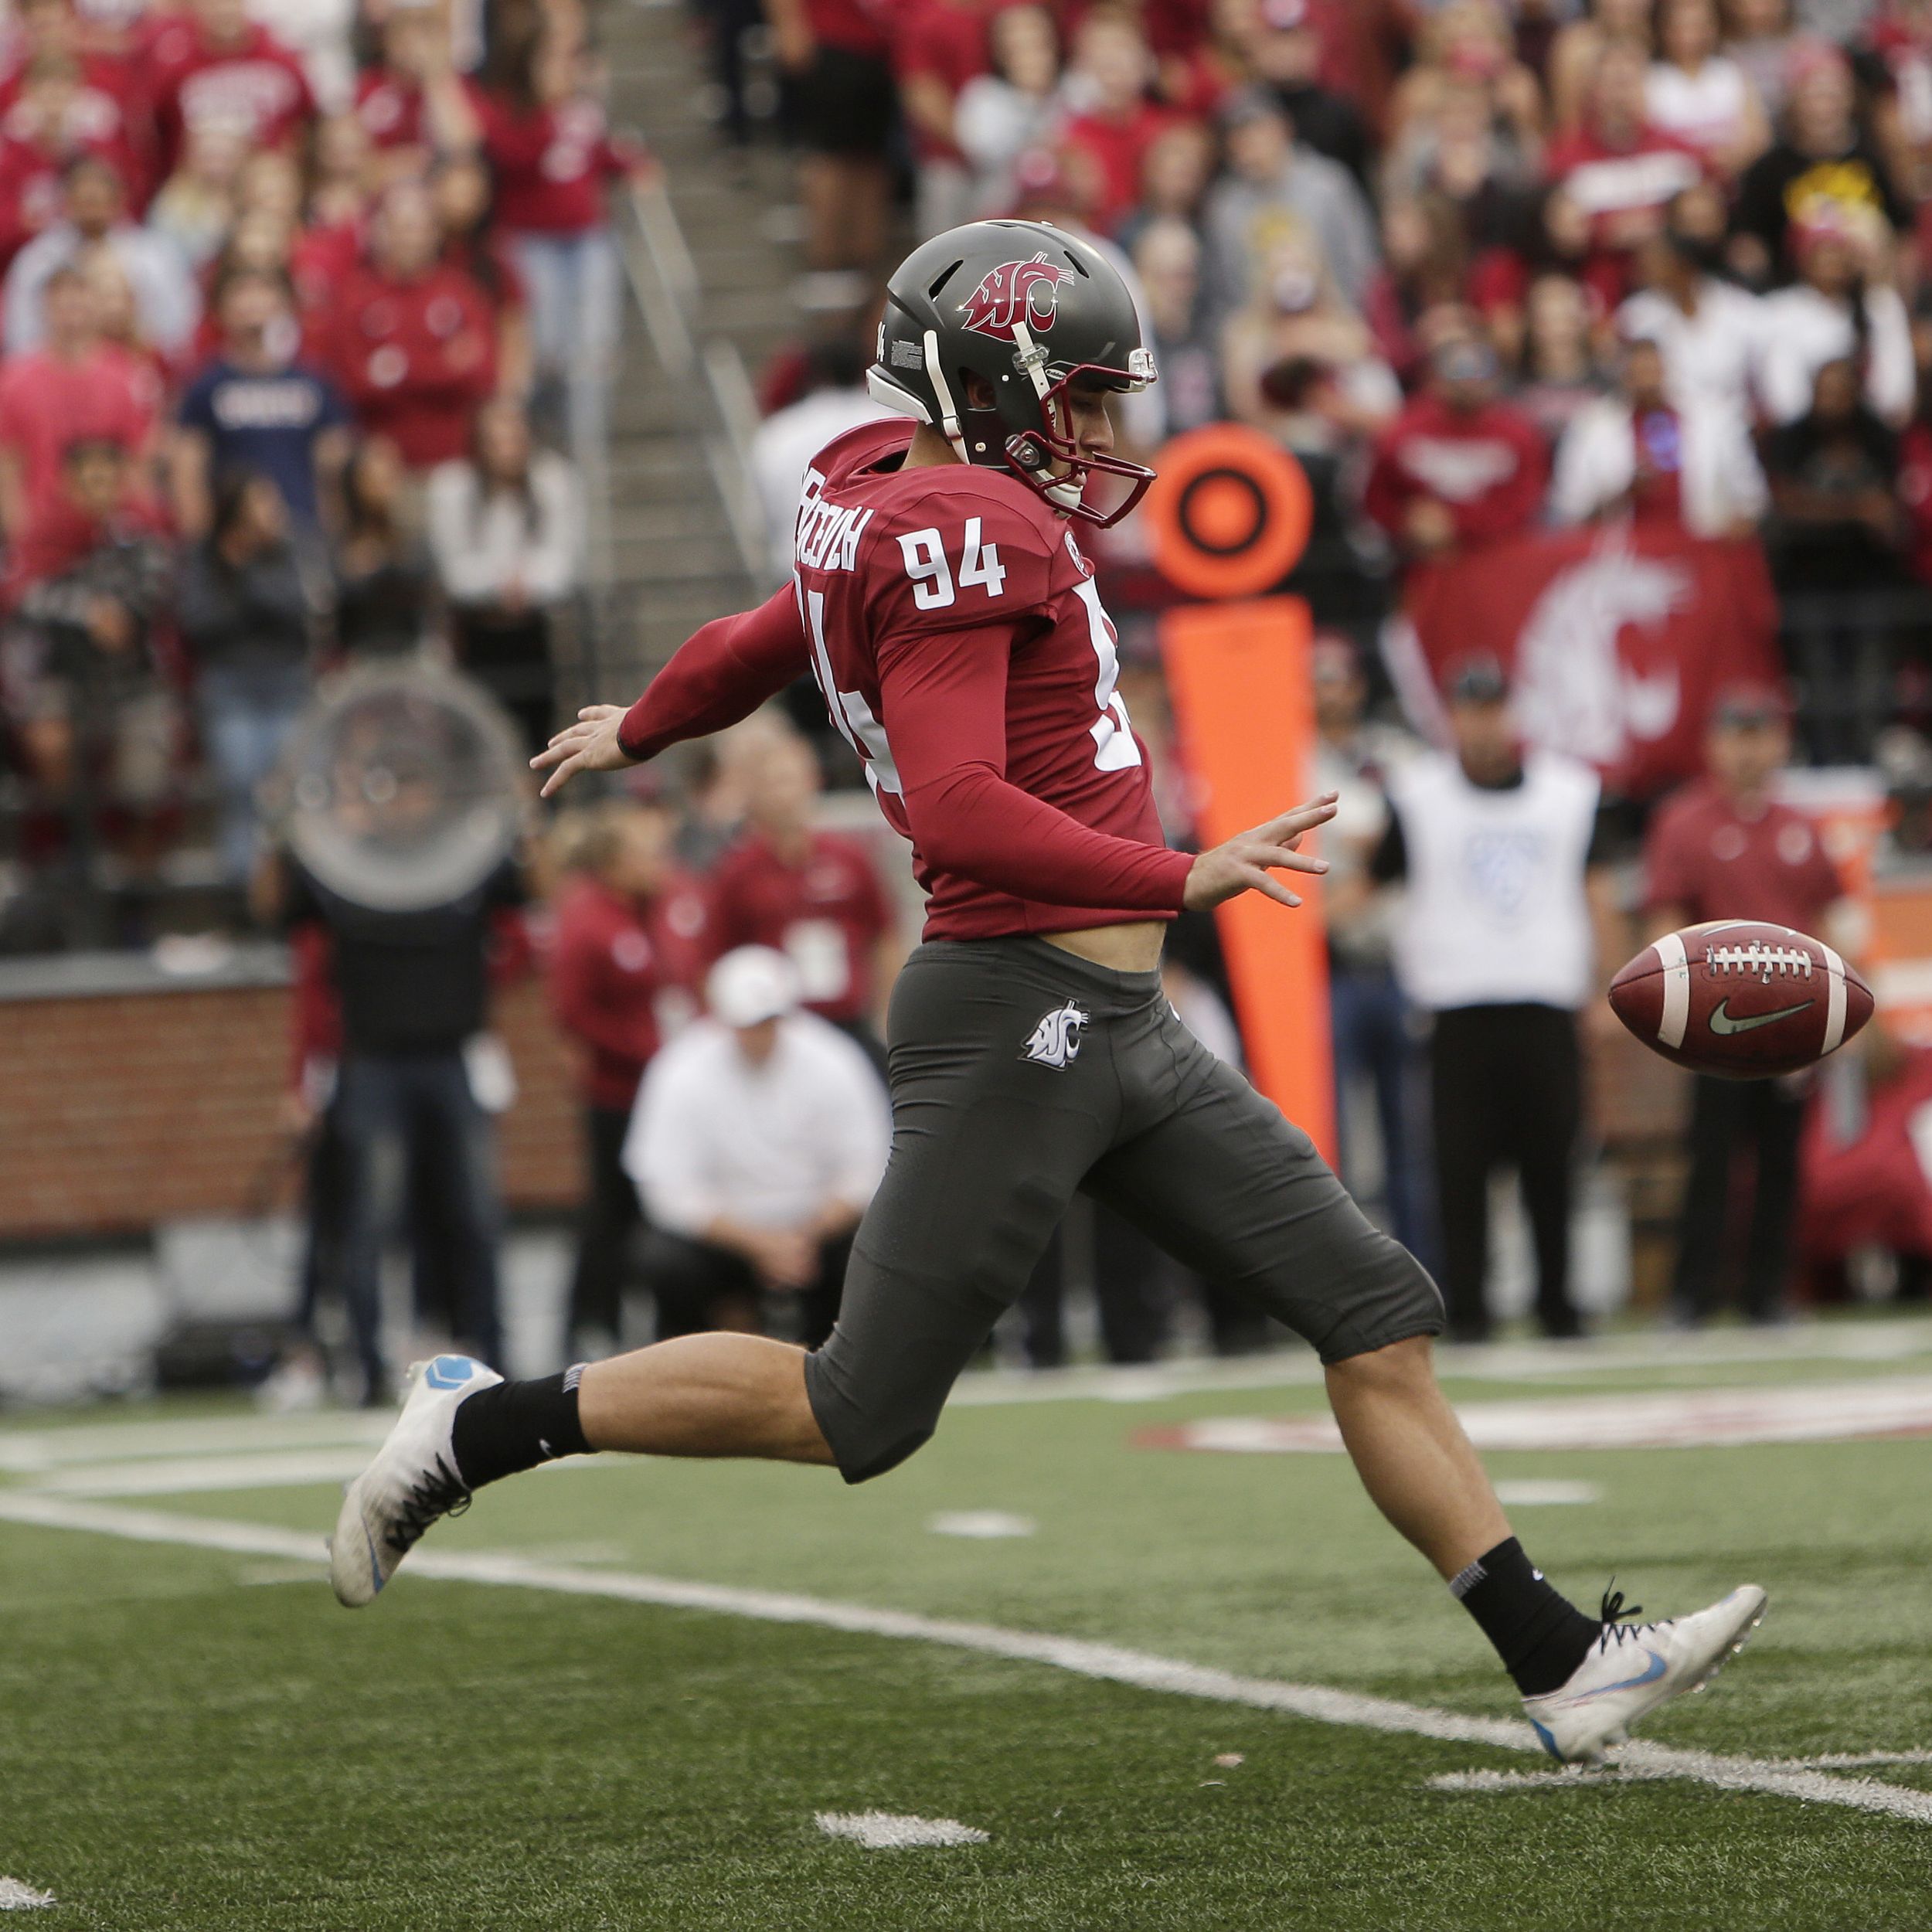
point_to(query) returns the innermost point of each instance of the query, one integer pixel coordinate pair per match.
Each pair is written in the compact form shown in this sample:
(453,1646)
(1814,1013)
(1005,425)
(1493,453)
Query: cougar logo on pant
(1056,1040)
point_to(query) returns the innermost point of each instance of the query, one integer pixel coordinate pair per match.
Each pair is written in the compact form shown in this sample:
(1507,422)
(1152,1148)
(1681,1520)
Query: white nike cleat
(412,1482)
(1633,1668)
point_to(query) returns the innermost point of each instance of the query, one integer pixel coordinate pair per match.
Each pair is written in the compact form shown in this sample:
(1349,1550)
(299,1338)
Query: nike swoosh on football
(1722,1023)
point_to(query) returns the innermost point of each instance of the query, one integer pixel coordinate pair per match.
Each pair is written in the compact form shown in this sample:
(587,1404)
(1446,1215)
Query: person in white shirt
(94,215)
(1711,332)
(782,448)
(1686,462)
(759,1134)
(1006,113)
(1702,96)
(506,529)
(1835,308)
(1502,930)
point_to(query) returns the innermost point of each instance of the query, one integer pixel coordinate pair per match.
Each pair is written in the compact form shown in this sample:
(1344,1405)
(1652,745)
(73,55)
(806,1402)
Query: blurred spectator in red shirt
(75,390)
(938,47)
(626,966)
(460,184)
(94,216)
(814,896)
(1866,1183)
(553,159)
(1459,468)
(214,63)
(1619,171)
(410,102)
(54,116)
(1114,123)
(80,666)
(1725,848)
(412,340)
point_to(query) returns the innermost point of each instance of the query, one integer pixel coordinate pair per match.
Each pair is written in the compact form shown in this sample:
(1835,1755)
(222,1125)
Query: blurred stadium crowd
(309,313)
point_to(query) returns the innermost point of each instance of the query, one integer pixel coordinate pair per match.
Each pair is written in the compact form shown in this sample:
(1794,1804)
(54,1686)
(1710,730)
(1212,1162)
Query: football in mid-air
(1740,999)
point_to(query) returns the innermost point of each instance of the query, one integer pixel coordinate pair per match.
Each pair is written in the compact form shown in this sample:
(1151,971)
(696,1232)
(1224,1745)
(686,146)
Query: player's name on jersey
(827,534)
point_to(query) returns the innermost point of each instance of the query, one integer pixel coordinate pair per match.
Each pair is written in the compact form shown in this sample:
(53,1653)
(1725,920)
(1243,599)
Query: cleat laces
(1618,1622)
(439,1493)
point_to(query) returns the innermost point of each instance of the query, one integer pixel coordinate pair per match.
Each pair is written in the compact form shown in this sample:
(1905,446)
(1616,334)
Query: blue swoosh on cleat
(448,1372)
(1658,1667)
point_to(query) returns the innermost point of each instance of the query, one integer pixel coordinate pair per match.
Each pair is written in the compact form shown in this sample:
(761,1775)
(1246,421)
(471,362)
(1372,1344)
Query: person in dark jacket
(412,1108)
(247,614)
(387,603)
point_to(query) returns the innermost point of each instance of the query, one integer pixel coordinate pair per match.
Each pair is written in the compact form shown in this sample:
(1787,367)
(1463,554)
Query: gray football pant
(1020,1074)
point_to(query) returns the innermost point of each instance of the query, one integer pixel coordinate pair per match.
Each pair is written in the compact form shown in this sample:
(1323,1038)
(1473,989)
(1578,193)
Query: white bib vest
(1496,913)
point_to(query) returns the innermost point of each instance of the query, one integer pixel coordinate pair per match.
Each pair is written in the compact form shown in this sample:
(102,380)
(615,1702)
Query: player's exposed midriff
(1134,948)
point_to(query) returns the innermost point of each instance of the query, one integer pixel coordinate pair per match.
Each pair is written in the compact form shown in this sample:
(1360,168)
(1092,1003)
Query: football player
(943,604)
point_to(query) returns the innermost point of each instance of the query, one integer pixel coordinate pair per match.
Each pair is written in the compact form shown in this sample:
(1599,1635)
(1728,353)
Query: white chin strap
(1065,492)
(948,409)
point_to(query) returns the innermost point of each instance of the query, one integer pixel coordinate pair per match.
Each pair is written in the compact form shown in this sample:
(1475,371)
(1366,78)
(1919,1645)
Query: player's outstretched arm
(722,673)
(1248,862)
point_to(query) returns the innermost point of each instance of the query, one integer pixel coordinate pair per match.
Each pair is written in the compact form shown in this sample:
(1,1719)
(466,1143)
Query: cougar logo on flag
(1015,291)
(1056,1040)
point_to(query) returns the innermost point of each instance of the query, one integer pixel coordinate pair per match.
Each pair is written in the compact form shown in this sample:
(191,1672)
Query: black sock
(516,1425)
(1538,1633)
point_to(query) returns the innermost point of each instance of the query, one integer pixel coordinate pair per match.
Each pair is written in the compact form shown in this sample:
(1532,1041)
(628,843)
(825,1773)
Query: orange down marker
(1229,517)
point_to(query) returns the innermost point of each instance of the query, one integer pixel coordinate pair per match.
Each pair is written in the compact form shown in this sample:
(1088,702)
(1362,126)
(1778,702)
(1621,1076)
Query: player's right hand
(589,745)
(1248,862)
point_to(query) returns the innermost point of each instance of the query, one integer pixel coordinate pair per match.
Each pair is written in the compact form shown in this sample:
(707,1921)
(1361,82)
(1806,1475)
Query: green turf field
(198,1738)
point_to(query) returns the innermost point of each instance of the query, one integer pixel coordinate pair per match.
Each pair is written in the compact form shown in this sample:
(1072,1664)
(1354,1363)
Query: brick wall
(120,1109)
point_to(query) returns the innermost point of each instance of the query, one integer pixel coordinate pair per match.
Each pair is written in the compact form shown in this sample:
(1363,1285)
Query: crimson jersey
(827,915)
(956,631)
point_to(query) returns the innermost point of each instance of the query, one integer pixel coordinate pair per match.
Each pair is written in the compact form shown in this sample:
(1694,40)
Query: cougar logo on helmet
(1013,292)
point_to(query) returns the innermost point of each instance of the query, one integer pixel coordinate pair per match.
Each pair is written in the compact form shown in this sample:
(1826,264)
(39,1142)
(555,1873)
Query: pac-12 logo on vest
(1015,291)
(1056,1040)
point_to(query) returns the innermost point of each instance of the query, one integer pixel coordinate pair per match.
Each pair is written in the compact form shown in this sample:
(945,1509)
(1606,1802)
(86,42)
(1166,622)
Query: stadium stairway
(708,302)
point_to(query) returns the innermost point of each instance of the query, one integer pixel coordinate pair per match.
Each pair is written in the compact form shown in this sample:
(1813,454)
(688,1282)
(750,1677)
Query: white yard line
(16,1897)
(29,1452)
(894,1831)
(1107,1662)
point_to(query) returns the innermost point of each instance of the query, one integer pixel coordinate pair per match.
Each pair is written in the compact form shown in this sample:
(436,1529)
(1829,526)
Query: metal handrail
(664,283)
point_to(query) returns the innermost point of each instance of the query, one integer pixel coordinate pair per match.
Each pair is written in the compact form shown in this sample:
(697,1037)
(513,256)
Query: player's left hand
(589,745)
(1247,863)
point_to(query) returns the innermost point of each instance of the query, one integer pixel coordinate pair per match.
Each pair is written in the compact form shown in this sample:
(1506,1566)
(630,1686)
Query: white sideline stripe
(894,1831)
(34,1452)
(1632,1768)
(1652,1419)
(1108,1663)
(174,1475)
(16,1897)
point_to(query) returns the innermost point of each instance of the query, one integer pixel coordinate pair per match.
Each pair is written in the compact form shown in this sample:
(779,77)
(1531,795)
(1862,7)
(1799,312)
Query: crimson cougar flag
(1617,639)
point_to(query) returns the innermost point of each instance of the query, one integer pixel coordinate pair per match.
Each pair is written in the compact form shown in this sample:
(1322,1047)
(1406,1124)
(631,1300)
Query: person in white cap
(759,1136)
